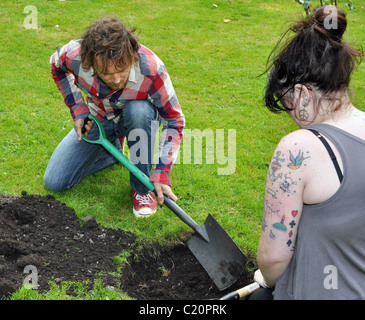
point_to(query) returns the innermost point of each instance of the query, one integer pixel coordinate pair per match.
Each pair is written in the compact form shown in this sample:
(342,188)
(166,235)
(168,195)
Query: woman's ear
(301,93)
(303,114)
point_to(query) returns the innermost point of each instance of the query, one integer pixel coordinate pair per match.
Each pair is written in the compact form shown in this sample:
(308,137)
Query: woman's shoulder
(302,149)
(298,138)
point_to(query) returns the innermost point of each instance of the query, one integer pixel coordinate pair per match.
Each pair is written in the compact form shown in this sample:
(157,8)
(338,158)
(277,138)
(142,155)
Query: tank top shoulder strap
(330,151)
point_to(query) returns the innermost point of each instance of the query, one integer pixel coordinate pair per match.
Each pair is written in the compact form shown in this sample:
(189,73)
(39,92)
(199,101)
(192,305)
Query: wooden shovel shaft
(243,292)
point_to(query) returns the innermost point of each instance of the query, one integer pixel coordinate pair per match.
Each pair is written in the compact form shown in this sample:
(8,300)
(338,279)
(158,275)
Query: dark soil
(44,233)
(174,273)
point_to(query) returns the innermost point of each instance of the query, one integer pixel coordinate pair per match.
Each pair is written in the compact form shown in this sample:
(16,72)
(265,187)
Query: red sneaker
(143,205)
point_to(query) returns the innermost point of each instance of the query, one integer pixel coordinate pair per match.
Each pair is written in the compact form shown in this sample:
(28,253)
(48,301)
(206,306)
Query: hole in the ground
(172,273)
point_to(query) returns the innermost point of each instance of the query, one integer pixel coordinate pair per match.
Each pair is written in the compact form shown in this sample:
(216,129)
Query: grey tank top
(329,257)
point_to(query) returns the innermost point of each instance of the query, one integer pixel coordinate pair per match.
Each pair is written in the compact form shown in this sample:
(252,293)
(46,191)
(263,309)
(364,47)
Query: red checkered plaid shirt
(148,79)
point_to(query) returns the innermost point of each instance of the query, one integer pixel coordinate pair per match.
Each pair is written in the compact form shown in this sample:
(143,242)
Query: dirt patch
(44,233)
(161,273)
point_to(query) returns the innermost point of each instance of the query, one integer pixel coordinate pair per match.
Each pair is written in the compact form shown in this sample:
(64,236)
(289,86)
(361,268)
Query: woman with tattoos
(312,244)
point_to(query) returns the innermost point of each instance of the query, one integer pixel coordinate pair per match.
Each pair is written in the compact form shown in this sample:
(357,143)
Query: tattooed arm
(283,206)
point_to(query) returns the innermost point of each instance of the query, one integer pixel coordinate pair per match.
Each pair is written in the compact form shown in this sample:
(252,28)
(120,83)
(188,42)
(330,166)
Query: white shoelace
(143,199)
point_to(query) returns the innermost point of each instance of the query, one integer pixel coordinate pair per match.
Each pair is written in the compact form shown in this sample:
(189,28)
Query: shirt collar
(132,75)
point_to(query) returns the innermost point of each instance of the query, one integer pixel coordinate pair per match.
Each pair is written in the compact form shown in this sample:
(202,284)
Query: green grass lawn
(214,66)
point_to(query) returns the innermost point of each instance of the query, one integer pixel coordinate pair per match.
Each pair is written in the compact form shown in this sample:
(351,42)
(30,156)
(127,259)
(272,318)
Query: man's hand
(79,124)
(161,190)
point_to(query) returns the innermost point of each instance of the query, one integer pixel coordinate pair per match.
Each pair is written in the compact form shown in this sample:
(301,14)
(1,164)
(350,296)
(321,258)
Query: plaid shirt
(148,80)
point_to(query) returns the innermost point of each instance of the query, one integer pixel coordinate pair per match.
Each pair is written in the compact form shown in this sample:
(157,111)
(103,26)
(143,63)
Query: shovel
(219,255)
(241,293)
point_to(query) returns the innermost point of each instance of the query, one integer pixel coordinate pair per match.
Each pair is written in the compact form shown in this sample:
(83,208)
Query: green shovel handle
(102,140)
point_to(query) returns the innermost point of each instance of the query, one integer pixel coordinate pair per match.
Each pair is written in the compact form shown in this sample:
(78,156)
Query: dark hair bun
(315,54)
(330,21)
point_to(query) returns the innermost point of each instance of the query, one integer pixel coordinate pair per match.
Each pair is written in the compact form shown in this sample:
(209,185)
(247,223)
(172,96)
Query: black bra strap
(332,155)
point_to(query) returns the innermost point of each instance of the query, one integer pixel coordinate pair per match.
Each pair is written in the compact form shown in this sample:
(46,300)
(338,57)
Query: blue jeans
(73,160)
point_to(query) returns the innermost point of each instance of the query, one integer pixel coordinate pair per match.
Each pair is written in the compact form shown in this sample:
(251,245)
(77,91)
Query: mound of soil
(43,233)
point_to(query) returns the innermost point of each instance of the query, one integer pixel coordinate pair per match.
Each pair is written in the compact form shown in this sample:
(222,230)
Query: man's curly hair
(112,42)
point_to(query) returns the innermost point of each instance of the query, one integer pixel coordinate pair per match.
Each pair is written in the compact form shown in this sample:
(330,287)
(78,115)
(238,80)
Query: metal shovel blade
(221,258)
